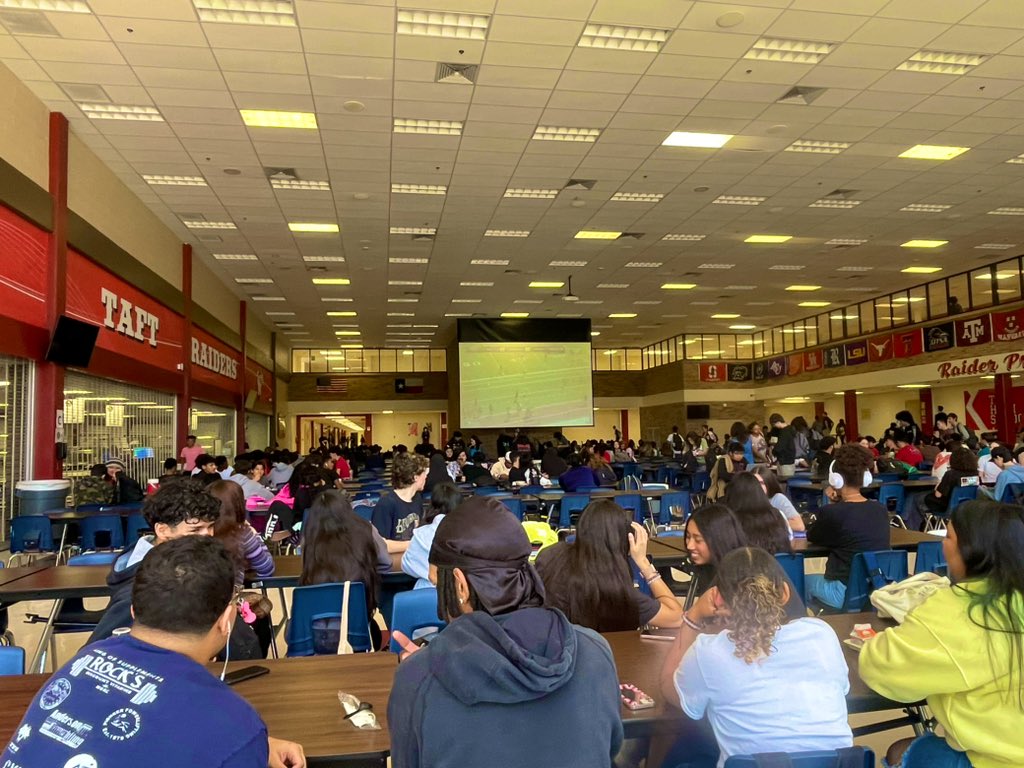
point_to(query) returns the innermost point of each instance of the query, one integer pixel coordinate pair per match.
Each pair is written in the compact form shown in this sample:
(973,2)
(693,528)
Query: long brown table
(298,699)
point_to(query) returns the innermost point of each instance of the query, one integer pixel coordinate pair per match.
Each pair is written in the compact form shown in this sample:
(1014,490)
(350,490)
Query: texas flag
(880,348)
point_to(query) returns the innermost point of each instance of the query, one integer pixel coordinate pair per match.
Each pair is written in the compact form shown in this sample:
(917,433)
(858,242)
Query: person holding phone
(591,582)
(128,693)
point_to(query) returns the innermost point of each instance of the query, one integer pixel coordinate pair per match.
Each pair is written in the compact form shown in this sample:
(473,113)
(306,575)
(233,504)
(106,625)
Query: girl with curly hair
(766,683)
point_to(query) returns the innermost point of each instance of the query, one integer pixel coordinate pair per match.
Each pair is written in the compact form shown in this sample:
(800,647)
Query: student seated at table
(765,527)
(338,545)
(580,475)
(767,683)
(724,469)
(591,582)
(602,469)
(232,528)
(712,532)
(247,476)
(823,456)
(850,524)
(778,499)
(437,472)
(963,464)
(906,451)
(444,499)
(1012,473)
(990,465)
(521,471)
(120,702)
(94,488)
(291,502)
(508,681)
(551,464)
(398,512)
(962,649)
(178,509)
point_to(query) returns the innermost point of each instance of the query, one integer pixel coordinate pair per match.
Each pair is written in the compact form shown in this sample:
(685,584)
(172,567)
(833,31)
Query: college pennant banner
(813,360)
(713,373)
(1008,326)
(740,372)
(880,348)
(908,343)
(760,370)
(977,330)
(835,357)
(776,367)
(856,352)
(795,364)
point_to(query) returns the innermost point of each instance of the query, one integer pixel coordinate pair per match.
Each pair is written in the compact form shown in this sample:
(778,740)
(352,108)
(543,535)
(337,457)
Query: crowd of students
(526,639)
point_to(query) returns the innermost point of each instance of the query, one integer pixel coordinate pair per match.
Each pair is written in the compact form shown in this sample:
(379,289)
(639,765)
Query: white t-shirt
(989,470)
(794,700)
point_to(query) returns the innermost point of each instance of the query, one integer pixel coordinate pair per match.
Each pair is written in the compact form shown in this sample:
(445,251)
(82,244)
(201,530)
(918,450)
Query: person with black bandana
(506,667)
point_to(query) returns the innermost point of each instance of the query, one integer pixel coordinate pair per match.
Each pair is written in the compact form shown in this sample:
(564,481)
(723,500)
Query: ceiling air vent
(580,184)
(281,173)
(841,194)
(801,95)
(27,23)
(631,235)
(456,74)
(86,93)
(209,238)
(422,238)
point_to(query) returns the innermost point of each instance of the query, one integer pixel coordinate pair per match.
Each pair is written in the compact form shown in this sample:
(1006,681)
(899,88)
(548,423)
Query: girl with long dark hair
(590,579)
(764,525)
(712,532)
(962,649)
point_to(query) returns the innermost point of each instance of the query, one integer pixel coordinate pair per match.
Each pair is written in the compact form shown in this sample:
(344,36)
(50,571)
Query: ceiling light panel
(475,284)
(854,268)
(331,281)
(995,246)
(613,285)
(618,38)
(407,260)
(413,230)
(803,288)
(461,26)
(827,202)
(121,112)
(678,286)
(317,259)
(269,118)
(923,243)
(272,13)
(432,127)
(253,280)
(174,181)
(588,234)
(738,200)
(419,189)
(787,267)
(643,264)
(313,227)
(1018,160)
(637,197)
(560,133)
(210,224)
(405,282)
(925,208)
(941,62)
(674,238)
(791,51)
(546,284)
(818,147)
(1007,212)
(817,304)
(716,266)
(66,6)
(235,257)
(534,194)
(932,152)
(489,262)
(622,315)
(845,241)
(698,140)
(507,233)
(769,239)
(567,263)
(301,185)
(921,270)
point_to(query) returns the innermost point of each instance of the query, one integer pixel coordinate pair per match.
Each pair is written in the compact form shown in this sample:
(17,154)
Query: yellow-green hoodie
(963,670)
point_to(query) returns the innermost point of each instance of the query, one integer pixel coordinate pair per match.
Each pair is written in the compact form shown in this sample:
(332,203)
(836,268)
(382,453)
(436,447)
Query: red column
(49,395)
(243,316)
(183,425)
(1004,409)
(444,428)
(927,410)
(850,415)
(369,429)
(624,420)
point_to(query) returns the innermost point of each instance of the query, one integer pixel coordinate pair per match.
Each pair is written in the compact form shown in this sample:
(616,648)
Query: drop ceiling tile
(163,77)
(607,60)
(100,74)
(77,26)
(564,9)
(514,54)
(988,40)
(84,51)
(167,56)
(250,37)
(154,32)
(437,49)
(267,83)
(271,62)
(518,77)
(350,16)
(28,71)
(860,7)
(538,31)
(719,44)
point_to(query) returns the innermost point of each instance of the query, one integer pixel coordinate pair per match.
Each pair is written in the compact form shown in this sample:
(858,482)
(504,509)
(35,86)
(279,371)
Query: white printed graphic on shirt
(62,727)
(10,764)
(82,761)
(24,732)
(111,673)
(122,724)
(54,694)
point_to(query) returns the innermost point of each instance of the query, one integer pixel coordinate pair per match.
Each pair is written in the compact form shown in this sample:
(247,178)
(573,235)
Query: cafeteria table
(69,515)
(298,699)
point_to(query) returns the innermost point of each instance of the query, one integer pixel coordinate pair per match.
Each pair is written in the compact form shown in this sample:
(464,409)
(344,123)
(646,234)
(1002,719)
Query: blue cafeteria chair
(414,610)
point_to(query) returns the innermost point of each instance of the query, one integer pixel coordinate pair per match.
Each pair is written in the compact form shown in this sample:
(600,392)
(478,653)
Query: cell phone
(236,676)
(966,482)
(633,698)
(656,633)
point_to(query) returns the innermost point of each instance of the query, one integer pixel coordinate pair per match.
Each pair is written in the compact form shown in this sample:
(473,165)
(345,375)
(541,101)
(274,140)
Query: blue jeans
(931,751)
(832,593)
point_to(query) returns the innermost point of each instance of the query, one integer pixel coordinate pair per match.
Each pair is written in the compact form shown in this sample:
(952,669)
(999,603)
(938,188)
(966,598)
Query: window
(214,428)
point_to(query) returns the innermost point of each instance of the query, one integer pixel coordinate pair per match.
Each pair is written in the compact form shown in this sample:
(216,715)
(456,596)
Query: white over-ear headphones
(836,480)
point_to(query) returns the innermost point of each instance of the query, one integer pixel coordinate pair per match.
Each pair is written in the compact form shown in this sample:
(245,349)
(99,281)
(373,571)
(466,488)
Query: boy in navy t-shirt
(120,702)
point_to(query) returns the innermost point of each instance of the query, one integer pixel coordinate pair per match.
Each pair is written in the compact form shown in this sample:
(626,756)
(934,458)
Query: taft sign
(131,320)
(982,366)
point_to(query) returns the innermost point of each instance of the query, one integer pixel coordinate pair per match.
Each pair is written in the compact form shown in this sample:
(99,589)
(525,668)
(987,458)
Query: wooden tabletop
(918,483)
(56,515)
(63,581)
(288,569)
(7,575)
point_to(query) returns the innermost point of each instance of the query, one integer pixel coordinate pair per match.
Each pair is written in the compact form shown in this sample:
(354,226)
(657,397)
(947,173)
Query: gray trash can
(38,496)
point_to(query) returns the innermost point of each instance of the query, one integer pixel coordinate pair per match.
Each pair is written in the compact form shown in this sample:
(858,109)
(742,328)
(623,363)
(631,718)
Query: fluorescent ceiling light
(67,6)
(941,62)
(535,194)
(724,316)
(673,237)
(567,263)
(405,282)
(905,300)
(637,197)
(926,208)
(742,327)
(413,230)
(562,133)
(613,285)
(419,189)
(716,266)
(826,202)
(791,51)
(527,301)
(331,281)
(401,314)
(273,13)
(335,299)
(489,262)
(996,246)
(515,314)
(210,224)
(619,38)
(507,233)
(402,301)
(269,118)
(313,259)
(841,316)
(595,333)
(814,304)
(921,270)
(854,268)
(350,346)
(268,298)
(932,152)
(588,234)
(923,243)
(845,241)
(818,147)
(121,112)
(475,284)
(738,200)
(174,181)
(348,333)
(768,239)
(280,314)
(461,26)
(643,264)
(406,260)
(546,284)
(466,301)
(701,140)
(313,226)
(913,386)
(999,276)
(787,267)
(678,286)
(432,127)
(253,280)
(301,185)
(622,315)
(1007,212)
(235,257)
(457,314)
(1018,160)
(806,288)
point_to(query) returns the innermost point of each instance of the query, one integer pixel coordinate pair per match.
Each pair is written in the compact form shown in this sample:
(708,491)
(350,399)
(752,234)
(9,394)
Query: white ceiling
(157,53)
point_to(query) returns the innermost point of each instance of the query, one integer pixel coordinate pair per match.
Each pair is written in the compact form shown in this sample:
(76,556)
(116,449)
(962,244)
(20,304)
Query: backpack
(716,489)
(93,490)
(677,442)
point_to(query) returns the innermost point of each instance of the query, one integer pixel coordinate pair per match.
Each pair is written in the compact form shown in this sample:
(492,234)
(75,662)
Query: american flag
(331,384)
